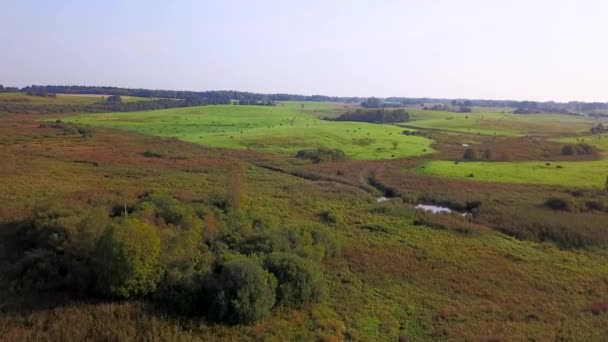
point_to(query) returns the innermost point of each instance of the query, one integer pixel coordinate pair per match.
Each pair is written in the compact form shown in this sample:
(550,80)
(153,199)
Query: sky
(478,49)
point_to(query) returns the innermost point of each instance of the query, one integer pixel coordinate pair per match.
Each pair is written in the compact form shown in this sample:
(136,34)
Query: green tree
(244,292)
(299,282)
(127,258)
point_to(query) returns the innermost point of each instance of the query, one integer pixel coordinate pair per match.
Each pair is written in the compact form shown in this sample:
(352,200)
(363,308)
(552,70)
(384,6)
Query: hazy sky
(508,49)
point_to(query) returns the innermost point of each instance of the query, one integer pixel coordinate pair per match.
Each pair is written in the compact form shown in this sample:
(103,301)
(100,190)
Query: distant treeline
(98,107)
(380,115)
(225,97)
(212,97)
(449,108)
(4,89)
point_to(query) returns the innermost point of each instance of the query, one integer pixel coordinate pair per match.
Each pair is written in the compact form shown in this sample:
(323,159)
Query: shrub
(558,203)
(375,116)
(53,252)
(153,154)
(299,282)
(469,154)
(242,292)
(568,150)
(128,260)
(180,293)
(584,149)
(330,217)
(594,205)
(322,154)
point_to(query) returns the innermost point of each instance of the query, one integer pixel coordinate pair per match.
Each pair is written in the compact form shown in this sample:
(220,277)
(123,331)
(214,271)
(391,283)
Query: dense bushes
(299,283)
(322,154)
(242,292)
(166,251)
(375,116)
(558,203)
(578,149)
(71,129)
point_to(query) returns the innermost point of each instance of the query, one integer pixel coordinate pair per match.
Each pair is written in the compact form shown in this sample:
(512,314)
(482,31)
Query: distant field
(591,174)
(90,98)
(599,141)
(62,99)
(499,123)
(285,128)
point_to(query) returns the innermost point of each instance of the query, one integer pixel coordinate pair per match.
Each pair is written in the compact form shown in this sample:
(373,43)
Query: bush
(322,154)
(180,293)
(568,150)
(242,292)
(469,154)
(128,260)
(375,116)
(53,251)
(299,282)
(557,203)
(330,217)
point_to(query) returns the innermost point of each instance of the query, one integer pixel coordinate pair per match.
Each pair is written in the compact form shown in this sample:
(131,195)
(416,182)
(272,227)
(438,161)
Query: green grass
(599,141)
(283,128)
(590,174)
(501,123)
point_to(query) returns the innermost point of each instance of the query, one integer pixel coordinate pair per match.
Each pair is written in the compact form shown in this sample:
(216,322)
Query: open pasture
(599,141)
(284,128)
(586,174)
(502,123)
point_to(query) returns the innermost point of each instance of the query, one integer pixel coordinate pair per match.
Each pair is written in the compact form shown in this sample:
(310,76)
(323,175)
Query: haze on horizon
(520,50)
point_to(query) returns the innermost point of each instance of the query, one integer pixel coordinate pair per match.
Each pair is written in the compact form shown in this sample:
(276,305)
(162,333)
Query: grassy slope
(284,128)
(590,174)
(599,141)
(488,122)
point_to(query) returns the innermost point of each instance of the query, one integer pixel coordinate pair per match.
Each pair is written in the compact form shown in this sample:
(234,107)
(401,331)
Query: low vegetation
(375,116)
(148,236)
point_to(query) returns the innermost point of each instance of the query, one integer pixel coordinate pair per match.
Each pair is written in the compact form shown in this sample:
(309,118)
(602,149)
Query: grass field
(62,99)
(284,128)
(599,141)
(591,174)
(501,123)
(393,278)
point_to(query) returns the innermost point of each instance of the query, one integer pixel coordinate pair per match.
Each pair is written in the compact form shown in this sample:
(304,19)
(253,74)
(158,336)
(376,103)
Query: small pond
(435,209)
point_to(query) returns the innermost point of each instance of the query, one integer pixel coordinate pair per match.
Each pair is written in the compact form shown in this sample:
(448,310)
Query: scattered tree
(127,257)
(299,282)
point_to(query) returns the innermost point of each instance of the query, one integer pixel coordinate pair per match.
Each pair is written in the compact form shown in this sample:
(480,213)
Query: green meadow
(505,123)
(285,128)
(599,141)
(590,174)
